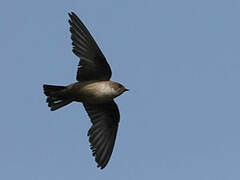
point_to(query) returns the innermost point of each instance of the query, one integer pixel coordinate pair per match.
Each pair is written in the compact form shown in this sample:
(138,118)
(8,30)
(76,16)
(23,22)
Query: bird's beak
(126,89)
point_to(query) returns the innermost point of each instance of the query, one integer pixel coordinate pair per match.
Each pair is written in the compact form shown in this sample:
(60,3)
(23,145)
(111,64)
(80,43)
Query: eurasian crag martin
(94,89)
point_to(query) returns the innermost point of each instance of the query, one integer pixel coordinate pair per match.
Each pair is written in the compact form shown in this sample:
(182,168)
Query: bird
(93,89)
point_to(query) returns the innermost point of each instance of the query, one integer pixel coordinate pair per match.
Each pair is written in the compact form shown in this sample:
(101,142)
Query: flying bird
(93,89)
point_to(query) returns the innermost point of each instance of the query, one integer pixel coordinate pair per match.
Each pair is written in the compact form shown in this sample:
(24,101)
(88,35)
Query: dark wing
(92,65)
(102,134)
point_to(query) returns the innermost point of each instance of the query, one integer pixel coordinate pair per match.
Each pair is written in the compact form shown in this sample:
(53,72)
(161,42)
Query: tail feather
(54,106)
(55,96)
(51,89)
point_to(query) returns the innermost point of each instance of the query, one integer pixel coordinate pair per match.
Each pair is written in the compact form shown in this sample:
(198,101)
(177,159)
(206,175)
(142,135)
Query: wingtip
(101,167)
(73,13)
(70,13)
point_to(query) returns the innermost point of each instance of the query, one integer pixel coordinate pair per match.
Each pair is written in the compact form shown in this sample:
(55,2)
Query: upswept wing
(92,65)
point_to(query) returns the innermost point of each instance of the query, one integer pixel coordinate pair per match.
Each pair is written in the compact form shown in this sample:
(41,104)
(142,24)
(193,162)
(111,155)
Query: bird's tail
(55,96)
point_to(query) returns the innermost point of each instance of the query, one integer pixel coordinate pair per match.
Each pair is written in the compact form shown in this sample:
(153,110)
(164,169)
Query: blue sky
(180,60)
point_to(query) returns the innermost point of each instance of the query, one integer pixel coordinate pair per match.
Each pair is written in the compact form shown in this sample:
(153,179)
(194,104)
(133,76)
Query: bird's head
(119,88)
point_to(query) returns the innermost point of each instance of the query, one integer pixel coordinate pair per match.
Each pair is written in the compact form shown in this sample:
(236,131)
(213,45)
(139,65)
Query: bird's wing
(102,134)
(92,65)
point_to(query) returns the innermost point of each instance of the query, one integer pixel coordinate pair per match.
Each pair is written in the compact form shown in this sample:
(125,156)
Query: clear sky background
(179,121)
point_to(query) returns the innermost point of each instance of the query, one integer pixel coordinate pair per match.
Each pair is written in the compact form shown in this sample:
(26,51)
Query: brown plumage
(94,89)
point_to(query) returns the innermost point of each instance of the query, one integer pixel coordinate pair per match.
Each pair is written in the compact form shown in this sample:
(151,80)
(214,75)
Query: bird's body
(99,92)
(94,89)
(94,92)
